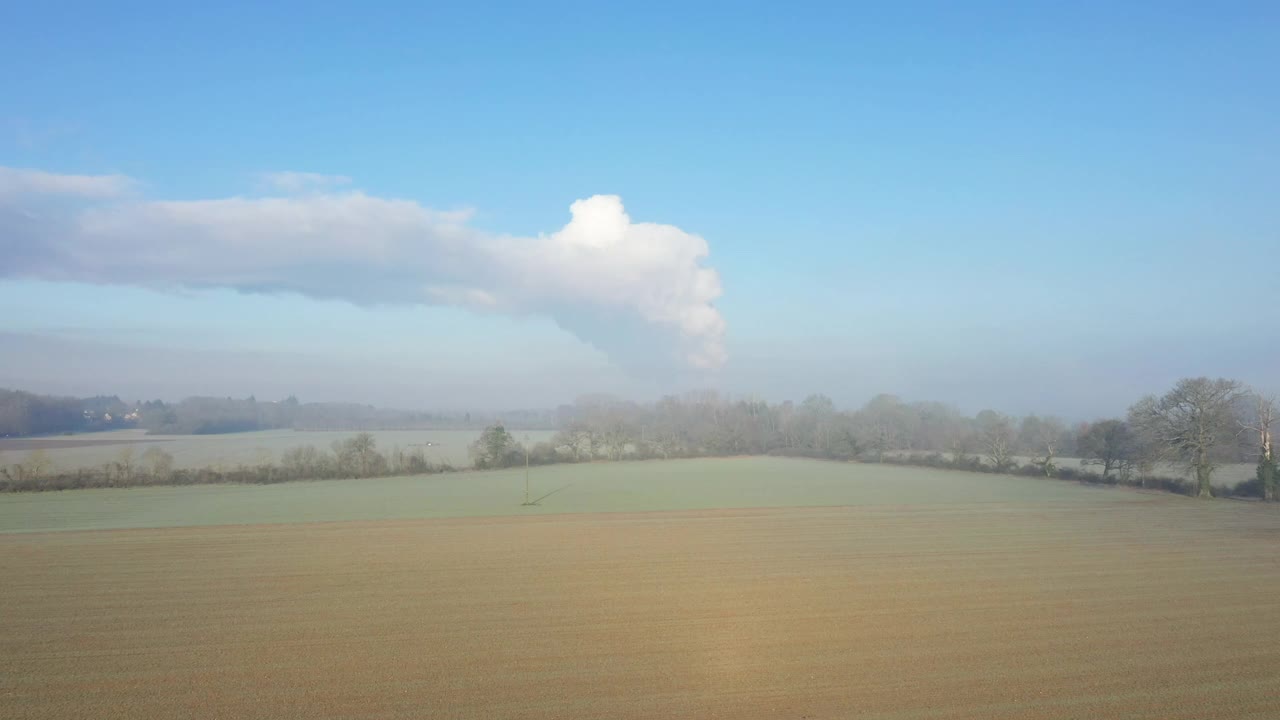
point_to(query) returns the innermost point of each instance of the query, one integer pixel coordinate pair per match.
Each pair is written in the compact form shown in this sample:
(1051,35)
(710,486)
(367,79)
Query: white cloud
(293,182)
(25,181)
(638,291)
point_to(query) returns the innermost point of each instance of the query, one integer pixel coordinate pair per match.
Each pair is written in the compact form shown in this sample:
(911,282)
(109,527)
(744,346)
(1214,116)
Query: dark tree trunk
(1203,472)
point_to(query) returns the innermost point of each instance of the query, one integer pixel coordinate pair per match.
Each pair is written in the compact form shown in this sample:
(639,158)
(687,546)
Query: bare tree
(124,463)
(1041,438)
(1051,431)
(358,456)
(1260,419)
(37,464)
(159,463)
(961,439)
(581,437)
(817,413)
(304,461)
(1109,443)
(884,418)
(1190,422)
(617,434)
(997,439)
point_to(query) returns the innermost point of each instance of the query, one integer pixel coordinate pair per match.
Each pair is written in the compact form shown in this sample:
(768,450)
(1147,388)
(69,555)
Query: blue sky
(1054,207)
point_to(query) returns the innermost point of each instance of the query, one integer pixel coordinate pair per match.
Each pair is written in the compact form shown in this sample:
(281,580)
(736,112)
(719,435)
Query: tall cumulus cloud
(641,292)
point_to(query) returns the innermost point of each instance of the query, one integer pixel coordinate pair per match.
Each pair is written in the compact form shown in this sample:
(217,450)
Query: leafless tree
(1042,438)
(124,463)
(617,434)
(884,424)
(1191,422)
(36,465)
(1260,419)
(1111,444)
(997,439)
(159,463)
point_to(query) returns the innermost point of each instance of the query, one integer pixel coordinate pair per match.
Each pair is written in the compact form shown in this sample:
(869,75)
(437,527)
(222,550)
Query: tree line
(209,415)
(1189,431)
(1193,428)
(23,414)
(354,457)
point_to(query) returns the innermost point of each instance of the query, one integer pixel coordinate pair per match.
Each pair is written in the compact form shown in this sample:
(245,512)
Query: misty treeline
(354,457)
(212,415)
(24,413)
(1173,441)
(1187,432)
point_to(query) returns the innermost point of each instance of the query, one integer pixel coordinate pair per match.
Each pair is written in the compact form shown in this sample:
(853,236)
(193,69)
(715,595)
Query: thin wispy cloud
(292,182)
(638,291)
(25,181)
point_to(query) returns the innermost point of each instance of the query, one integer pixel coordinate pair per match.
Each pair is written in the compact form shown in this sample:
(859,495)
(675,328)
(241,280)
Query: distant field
(583,488)
(70,452)
(913,594)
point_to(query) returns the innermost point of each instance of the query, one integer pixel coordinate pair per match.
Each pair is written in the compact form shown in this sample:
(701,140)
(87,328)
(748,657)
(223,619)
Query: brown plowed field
(1167,608)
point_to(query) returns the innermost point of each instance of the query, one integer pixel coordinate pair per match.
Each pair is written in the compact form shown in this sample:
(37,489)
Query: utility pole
(526,470)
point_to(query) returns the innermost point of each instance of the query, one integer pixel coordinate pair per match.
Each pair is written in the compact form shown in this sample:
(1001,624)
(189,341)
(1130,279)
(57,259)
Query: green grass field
(234,449)
(595,487)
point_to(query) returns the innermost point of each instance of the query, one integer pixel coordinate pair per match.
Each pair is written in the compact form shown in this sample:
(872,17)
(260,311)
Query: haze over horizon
(1034,209)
